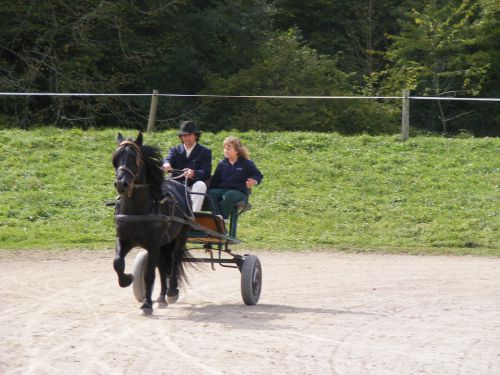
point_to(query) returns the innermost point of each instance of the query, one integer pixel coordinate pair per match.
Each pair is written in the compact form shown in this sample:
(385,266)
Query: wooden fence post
(152,111)
(405,116)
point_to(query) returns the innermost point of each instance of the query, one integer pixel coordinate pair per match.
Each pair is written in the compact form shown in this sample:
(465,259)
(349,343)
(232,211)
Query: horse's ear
(119,138)
(138,140)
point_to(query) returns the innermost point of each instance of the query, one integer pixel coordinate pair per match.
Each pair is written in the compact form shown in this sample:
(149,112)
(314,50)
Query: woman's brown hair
(238,146)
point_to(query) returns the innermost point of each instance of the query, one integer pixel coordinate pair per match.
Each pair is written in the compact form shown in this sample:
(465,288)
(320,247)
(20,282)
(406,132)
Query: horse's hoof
(161,299)
(126,280)
(162,305)
(162,302)
(147,312)
(147,308)
(173,299)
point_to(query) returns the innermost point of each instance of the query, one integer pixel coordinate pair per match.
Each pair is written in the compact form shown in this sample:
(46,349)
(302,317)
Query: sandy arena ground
(319,313)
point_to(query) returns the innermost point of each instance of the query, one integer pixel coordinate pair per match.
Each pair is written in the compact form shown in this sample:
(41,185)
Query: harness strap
(159,217)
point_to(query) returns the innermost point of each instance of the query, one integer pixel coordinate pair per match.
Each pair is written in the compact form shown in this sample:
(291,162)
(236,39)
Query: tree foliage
(286,67)
(80,46)
(260,47)
(438,53)
(352,31)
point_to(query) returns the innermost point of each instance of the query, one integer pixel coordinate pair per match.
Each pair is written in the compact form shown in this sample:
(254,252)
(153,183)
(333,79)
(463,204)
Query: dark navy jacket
(200,160)
(227,176)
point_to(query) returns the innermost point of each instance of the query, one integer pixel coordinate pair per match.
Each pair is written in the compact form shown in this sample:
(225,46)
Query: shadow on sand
(262,316)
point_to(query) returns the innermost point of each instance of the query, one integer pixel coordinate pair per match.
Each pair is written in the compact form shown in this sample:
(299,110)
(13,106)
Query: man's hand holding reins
(189,173)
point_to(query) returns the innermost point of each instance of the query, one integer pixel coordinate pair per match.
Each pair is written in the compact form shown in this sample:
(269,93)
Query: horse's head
(128,163)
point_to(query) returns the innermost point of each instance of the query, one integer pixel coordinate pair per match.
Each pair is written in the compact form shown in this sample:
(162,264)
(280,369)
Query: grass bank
(321,191)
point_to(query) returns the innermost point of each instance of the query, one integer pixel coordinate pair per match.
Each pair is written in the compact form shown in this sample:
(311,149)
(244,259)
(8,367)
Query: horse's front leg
(121,250)
(149,279)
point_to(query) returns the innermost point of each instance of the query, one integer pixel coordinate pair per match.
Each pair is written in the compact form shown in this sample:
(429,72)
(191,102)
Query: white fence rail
(405,100)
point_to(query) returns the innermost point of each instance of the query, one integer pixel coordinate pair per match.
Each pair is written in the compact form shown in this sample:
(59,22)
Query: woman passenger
(233,178)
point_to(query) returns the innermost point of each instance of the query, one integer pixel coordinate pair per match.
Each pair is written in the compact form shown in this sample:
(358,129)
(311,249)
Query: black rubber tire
(139,270)
(251,280)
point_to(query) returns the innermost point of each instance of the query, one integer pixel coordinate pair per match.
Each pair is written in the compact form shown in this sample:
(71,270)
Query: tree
(80,46)
(286,67)
(487,32)
(351,31)
(120,47)
(206,38)
(437,54)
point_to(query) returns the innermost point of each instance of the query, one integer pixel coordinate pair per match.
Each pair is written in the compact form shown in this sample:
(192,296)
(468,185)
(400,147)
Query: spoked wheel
(251,280)
(139,271)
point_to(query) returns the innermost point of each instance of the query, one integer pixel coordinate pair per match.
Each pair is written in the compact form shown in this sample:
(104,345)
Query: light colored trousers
(197,199)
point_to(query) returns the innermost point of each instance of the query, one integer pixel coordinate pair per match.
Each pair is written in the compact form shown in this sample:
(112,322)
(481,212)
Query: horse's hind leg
(173,291)
(163,269)
(149,278)
(176,250)
(124,279)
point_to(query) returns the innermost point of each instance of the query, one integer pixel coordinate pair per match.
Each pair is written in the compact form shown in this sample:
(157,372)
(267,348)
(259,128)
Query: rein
(181,171)
(183,175)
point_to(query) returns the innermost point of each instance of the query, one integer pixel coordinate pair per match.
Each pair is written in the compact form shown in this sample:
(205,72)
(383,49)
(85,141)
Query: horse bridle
(138,162)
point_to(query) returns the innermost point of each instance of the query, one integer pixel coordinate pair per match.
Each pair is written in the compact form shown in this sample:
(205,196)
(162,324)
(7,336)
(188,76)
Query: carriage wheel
(139,270)
(251,280)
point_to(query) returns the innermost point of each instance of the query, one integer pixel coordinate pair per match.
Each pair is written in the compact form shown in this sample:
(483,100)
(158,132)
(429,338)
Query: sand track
(319,313)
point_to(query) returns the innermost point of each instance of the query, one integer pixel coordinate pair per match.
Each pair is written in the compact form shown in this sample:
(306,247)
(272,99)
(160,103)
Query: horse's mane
(153,162)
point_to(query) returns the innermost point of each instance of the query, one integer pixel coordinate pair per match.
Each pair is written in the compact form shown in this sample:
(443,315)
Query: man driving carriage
(193,159)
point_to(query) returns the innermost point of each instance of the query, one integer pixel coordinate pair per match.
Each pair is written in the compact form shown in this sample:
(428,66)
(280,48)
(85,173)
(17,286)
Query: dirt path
(319,313)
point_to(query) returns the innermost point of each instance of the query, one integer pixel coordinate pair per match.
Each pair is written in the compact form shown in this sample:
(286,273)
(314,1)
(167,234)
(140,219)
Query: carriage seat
(210,221)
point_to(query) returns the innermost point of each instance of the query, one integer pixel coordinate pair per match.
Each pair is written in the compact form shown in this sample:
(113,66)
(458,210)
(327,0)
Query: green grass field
(320,191)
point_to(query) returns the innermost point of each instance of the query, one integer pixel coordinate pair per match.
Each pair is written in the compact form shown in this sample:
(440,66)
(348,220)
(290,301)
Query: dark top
(200,160)
(227,176)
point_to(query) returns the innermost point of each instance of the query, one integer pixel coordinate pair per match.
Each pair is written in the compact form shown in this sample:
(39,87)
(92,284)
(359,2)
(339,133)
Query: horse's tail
(181,258)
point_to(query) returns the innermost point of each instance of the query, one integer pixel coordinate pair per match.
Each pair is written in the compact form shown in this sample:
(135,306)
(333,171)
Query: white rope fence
(249,96)
(405,98)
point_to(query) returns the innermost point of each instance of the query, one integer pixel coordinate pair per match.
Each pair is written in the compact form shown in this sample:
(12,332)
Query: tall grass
(320,191)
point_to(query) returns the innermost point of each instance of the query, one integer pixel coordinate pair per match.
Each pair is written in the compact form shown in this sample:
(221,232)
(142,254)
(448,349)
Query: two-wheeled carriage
(213,236)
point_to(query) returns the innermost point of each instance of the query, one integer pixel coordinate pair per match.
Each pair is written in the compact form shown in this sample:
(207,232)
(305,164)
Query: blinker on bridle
(138,162)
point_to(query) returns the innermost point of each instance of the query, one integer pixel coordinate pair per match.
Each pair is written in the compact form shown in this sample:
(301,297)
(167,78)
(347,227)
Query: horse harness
(138,162)
(155,215)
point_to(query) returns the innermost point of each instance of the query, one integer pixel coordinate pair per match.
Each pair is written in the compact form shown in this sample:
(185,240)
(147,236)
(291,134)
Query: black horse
(150,213)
